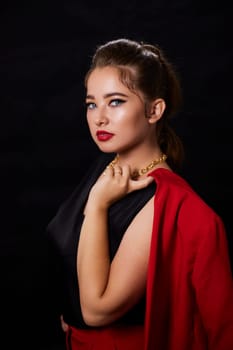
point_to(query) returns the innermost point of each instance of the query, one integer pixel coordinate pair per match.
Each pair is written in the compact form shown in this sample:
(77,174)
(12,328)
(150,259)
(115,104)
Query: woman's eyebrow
(108,95)
(114,94)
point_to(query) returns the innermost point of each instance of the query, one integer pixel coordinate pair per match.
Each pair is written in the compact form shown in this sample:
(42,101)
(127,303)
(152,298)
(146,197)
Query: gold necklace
(142,171)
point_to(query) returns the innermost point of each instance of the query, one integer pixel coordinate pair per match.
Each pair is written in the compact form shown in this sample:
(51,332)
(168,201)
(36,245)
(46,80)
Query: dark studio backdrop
(45,145)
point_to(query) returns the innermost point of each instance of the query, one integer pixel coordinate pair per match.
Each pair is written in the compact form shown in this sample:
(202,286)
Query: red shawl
(190,286)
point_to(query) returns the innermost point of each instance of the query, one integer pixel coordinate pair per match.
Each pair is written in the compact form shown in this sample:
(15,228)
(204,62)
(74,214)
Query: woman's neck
(142,162)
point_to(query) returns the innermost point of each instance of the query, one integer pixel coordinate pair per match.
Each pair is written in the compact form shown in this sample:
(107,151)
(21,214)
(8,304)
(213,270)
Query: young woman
(144,260)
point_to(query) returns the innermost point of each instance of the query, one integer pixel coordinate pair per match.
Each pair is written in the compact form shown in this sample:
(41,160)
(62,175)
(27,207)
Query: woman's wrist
(93,207)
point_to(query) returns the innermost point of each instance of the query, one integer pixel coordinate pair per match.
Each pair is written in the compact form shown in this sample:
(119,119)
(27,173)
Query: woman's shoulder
(170,181)
(77,195)
(164,176)
(194,218)
(179,191)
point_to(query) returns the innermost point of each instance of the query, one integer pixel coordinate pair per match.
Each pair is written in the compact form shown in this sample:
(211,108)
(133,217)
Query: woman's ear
(157,108)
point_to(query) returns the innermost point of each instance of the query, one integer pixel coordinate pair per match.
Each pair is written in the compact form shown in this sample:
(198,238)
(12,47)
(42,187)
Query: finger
(64,325)
(139,184)
(118,170)
(126,170)
(109,170)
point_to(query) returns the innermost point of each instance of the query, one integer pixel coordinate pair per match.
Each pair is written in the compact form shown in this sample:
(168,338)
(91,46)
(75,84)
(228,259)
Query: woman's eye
(90,105)
(116,102)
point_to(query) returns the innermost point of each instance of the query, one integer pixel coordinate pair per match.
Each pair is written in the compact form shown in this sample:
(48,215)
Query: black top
(64,231)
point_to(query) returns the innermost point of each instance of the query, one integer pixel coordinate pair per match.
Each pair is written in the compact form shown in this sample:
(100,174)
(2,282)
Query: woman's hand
(64,325)
(114,183)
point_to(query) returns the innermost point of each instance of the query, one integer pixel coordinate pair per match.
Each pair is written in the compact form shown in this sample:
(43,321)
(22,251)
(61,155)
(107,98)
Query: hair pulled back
(144,67)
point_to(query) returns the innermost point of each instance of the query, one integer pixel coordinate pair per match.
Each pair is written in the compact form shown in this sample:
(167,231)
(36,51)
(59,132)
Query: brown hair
(144,67)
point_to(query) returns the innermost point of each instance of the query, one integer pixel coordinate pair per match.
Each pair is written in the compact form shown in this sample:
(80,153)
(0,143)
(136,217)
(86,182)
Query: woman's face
(115,115)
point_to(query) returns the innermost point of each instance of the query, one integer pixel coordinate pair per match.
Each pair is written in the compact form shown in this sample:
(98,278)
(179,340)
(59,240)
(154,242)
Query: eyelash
(88,104)
(112,102)
(118,100)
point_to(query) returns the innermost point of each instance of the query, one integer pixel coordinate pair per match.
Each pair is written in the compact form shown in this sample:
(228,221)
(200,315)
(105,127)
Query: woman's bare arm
(107,290)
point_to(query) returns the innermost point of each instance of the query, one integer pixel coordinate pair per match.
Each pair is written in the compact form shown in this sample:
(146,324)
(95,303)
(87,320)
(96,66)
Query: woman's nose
(101,118)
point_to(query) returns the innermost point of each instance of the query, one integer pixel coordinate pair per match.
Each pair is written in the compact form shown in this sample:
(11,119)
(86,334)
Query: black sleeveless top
(64,230)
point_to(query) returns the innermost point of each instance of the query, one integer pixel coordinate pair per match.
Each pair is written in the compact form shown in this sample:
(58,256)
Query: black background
(45,147)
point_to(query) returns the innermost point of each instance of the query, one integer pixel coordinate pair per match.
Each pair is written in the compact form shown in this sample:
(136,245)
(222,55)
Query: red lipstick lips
(103,135)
